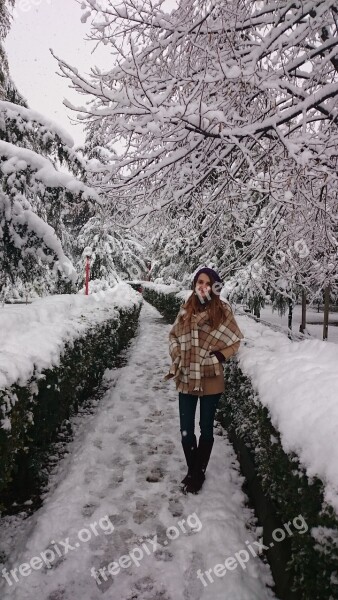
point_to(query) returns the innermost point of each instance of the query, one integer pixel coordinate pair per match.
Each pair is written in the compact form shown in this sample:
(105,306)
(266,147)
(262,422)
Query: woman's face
(203,285)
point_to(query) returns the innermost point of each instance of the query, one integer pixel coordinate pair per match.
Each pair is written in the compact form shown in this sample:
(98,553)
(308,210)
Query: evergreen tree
(36,199)
(114,254)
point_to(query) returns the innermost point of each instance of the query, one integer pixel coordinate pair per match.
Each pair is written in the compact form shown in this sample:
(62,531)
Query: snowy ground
(118,495)
(314,320)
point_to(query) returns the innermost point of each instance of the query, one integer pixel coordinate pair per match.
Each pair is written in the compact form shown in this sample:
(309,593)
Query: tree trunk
(303,323)
(257,313)
(326,312)
(257,309)
(290,315)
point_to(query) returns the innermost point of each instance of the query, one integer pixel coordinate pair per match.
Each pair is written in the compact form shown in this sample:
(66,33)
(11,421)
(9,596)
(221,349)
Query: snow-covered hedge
(166,298)
(310,566)
(53,355)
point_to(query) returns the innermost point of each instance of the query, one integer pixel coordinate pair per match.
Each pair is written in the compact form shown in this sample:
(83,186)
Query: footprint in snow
(145,584)
(163,554)
(156,474)
(129,437)
(139,458)
(88,510)
(193,588)
(157,413)
(145,509)
(59,594)
(176,508)
(89,475)
(129,537)
(139,399)
(118,461)
(116,478)
(146,589)
(152,449)
(118,519)
(167,447)
(141,429)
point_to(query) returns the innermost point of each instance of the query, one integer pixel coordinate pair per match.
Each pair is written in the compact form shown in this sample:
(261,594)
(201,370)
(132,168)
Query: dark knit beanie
(209,272)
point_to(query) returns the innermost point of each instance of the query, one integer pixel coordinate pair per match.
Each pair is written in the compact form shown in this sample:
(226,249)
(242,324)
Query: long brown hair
(217,310)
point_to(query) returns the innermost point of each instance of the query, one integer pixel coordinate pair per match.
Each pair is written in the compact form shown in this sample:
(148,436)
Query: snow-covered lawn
(314,323)
(123,471)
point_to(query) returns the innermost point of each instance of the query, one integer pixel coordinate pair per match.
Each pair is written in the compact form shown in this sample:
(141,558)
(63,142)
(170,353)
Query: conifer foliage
(36,198)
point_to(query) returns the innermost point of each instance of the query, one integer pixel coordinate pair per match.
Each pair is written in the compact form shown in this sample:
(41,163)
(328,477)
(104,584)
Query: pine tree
(114,254)
(36,199)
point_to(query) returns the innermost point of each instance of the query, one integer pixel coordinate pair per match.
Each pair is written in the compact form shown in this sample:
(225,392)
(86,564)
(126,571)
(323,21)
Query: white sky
(42,24)
(39,25)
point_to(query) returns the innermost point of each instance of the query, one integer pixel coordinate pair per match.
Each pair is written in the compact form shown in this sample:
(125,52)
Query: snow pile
(298,383)
(34,336)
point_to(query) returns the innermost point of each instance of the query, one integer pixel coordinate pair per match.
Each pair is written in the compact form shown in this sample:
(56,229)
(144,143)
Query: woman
(204,335)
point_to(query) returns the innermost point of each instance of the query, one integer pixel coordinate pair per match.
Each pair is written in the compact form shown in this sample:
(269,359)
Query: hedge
(167,304)
(38,409)
(304,568)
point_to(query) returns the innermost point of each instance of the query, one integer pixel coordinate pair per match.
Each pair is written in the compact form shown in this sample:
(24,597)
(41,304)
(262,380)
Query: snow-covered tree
(227,107)
(114,254)
(35,197)
(4,27)
(8,90)
(37,201)
(209,89)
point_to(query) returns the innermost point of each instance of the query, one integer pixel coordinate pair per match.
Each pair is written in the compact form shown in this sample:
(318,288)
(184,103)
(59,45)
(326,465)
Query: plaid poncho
(190,352)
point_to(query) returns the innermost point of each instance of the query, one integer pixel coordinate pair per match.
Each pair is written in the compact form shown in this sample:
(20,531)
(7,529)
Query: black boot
(190,449)
(202,459)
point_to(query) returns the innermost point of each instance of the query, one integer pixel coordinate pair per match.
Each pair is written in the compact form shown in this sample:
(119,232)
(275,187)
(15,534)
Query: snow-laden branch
(196,98)
(19,159)
(21,218)
(12,110)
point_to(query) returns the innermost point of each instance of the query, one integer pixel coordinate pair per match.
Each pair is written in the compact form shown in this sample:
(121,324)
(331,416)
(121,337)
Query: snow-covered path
(119,497)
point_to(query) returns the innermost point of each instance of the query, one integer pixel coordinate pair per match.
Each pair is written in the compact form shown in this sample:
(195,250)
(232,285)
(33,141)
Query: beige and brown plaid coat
(193,369)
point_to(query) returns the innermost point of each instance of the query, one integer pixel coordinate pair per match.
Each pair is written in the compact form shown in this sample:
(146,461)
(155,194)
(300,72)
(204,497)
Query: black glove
(218,355)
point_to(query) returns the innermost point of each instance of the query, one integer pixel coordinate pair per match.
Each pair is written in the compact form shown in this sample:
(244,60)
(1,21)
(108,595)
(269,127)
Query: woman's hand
(218,355)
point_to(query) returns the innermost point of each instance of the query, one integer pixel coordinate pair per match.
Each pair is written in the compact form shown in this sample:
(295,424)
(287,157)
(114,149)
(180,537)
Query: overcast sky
(39,25)
(42,24)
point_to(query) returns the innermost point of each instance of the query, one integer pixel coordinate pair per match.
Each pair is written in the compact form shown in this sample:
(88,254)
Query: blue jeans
(187,408)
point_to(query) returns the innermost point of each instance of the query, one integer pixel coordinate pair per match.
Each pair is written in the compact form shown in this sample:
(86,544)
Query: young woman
(204,335)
